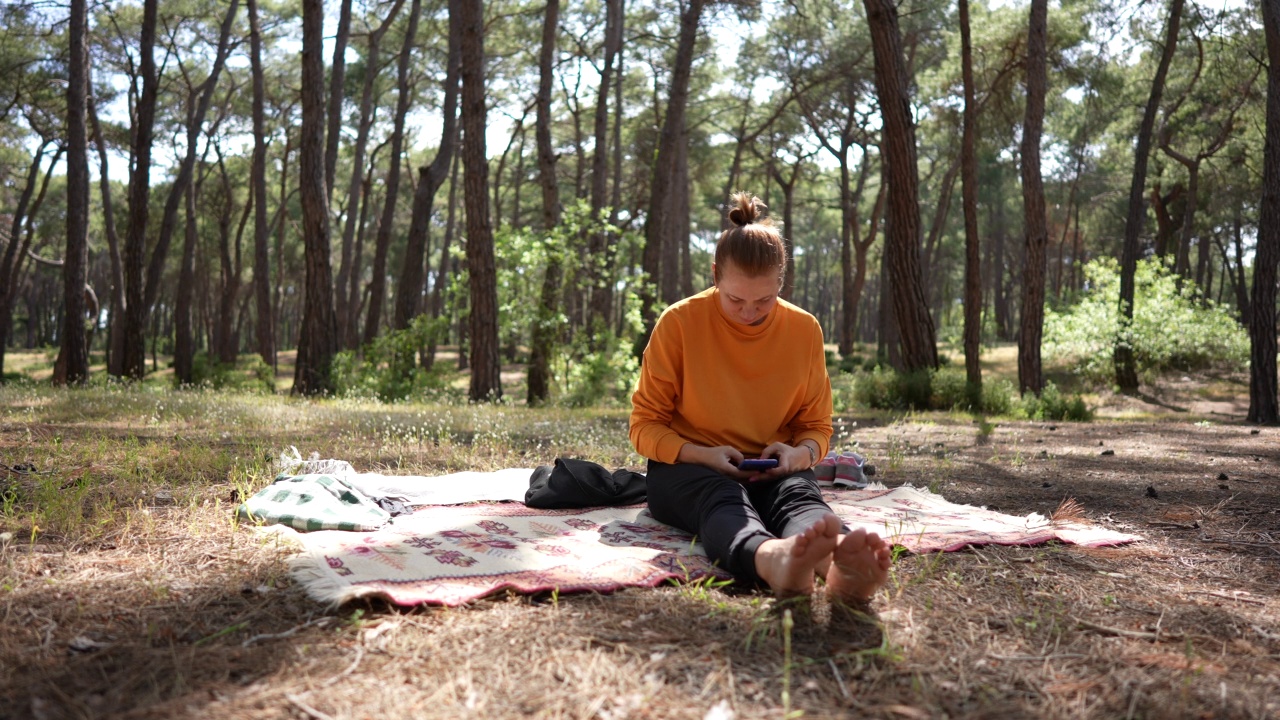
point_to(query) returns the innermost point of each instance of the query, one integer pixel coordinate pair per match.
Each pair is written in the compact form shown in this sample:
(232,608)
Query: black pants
(733,519)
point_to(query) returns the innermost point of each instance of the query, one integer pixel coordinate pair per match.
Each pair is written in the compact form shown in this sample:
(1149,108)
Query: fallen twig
(1038,657)
(1225,596)
(844,689)
(1225,541)
(287,633)
(1135,634)
(310,711)
(349,670)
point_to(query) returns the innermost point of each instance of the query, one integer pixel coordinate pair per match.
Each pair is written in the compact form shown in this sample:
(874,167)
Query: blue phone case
(758,464)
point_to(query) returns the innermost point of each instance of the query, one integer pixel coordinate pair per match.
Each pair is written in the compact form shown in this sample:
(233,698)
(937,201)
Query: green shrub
(877,389)
(603,377)
(388,369)
(249,373)
(1053,405)
(1173,327)
(887,389)
(997,396)
(949,389)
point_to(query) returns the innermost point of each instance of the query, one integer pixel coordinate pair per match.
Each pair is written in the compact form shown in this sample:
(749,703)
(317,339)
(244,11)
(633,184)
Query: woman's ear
(715,274)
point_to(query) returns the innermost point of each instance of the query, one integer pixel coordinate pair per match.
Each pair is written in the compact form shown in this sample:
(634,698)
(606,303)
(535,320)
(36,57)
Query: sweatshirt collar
(737,327)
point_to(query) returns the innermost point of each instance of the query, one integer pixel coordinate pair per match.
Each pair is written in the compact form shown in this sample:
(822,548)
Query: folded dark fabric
(581,484)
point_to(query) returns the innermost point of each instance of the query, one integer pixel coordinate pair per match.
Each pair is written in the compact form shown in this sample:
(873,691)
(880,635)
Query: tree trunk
(183,341)
(911,310)
(337,84)
(1263,406)
(168,222)
(378,282)
(227,341)
(848,211)
(542,343)
(74,357)
(442,274)
(357,193)
(1126,365)
(596,271)
(11,266)
(265,327)
(656,241)
(969,204)
(318,342)
(115,331)
(134,363)
(1030,370)
(486,383)
(430,178)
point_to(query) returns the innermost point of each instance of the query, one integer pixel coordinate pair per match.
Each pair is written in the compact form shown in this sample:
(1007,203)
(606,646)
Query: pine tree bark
(542,343)
(319,338)
(226,339)
(73,366)
(598,272)
(19,242)
(1263,406)
(337,85)
(656,224)
(430,179)
(382,243)
(134,361)
(441,283)
(265,327)
(1030,370)
(183,340)
(195,121)
(898,145)
(1125,362)
(486,383)
(347,310)
(969,204)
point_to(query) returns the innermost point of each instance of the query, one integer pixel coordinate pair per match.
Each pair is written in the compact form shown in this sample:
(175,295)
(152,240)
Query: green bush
(388,369)
(997,396)
(1173,327)
(603,377)
(949,389)
(887,389)
(1053,405)
(249,373)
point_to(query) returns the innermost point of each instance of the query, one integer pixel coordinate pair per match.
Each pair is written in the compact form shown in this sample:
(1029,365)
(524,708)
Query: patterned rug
(450,555)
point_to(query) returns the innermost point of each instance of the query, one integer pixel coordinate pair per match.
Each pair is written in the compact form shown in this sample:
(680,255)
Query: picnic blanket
(450,555)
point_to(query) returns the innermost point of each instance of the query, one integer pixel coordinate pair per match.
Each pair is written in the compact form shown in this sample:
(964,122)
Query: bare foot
(860,565)
(788,564)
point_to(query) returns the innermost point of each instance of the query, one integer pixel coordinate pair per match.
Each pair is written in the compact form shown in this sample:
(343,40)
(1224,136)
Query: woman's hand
(723,459)
(791,459)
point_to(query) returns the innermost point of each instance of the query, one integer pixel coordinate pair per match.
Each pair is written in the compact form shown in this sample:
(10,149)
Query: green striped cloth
(313,502)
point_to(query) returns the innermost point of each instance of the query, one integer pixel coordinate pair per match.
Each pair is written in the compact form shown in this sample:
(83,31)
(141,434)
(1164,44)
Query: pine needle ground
(127,590)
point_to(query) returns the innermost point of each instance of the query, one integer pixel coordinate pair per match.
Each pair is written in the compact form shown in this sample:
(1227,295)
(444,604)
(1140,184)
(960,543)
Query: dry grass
(127,590)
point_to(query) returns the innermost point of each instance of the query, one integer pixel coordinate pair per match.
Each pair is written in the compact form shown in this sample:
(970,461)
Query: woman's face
(746,299)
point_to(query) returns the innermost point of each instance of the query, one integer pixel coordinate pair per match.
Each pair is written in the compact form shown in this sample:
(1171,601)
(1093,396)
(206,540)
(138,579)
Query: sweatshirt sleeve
(654,400)
(813,421)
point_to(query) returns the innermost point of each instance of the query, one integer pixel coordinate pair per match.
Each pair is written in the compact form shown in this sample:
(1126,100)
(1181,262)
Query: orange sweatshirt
(710,381)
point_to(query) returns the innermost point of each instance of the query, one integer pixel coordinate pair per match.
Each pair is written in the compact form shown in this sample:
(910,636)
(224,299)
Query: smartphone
(752,464)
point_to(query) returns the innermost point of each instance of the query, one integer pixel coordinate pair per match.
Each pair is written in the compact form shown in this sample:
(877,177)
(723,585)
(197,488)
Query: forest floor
(127,590)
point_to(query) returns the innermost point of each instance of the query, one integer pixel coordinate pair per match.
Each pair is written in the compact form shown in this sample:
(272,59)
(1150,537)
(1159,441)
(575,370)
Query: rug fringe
(319,583)
(311,572)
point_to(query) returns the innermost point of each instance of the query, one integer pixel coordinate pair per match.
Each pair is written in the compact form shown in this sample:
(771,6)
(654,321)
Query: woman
(735,372)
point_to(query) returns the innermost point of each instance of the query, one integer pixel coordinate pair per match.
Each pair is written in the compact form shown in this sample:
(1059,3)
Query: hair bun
(745,209)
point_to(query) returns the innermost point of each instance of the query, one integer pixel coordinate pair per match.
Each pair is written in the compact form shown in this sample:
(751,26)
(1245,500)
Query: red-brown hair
(753,244)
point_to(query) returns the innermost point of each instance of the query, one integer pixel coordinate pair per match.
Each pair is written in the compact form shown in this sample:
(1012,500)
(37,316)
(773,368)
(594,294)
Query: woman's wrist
(813,451)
